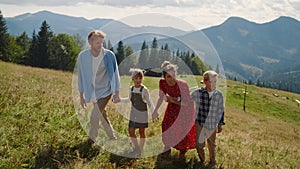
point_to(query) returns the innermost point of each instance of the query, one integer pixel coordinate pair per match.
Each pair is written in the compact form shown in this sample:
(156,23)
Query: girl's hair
(167,66)
(136,72)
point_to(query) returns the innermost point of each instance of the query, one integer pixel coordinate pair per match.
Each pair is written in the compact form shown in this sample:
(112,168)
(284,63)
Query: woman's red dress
(178,125)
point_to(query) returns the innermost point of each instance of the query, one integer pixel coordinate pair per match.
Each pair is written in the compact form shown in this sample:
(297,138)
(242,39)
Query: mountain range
(267,52)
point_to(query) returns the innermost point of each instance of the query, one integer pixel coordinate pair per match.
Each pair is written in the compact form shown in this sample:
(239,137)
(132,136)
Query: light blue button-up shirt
(85,72)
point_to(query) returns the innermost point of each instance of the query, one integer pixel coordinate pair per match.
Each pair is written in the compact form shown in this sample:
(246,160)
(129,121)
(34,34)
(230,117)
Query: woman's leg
(182,154)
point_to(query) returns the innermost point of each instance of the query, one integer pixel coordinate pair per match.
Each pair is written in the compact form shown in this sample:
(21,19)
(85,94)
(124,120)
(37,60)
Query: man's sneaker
(112,138)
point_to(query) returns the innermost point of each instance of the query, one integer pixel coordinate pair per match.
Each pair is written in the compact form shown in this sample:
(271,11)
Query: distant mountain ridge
(268,52)
(78,25)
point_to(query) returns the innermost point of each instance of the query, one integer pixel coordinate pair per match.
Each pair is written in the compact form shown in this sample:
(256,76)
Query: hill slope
(267,52)
(39,127)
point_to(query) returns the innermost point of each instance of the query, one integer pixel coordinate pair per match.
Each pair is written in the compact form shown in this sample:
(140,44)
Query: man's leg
(102,102)
(94,123)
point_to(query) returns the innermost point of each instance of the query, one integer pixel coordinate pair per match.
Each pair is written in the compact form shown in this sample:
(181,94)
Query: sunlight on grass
(41,129)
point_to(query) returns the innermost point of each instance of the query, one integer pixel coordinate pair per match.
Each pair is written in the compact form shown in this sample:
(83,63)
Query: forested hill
(266,54)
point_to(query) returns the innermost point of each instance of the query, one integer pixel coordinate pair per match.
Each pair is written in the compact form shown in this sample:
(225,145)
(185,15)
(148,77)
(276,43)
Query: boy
(210,115)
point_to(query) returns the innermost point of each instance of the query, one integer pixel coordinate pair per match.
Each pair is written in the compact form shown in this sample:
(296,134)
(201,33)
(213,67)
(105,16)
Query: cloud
(295,4)
(228,4)
(201,13)
(116,3)
(41,2)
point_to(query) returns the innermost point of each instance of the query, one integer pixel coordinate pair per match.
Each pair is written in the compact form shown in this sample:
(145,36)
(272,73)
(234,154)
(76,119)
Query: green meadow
(40,127)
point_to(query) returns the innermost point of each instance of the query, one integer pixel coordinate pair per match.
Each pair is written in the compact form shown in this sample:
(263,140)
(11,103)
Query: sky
(198,13)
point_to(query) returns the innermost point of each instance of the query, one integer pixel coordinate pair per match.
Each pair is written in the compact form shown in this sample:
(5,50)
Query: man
(98,81)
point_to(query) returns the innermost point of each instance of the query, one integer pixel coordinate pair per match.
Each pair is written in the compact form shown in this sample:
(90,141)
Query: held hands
(155,115)
(116,98)
(219,129)
(82,102)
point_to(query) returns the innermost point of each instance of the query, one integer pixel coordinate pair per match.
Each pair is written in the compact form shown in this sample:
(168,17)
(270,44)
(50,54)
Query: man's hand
(116,98)
(82,102)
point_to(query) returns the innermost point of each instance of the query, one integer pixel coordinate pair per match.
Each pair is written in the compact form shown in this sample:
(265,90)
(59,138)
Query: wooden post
(298,102)
(245,92)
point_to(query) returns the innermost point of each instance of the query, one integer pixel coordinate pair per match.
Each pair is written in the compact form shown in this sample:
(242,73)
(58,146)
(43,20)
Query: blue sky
(199,13)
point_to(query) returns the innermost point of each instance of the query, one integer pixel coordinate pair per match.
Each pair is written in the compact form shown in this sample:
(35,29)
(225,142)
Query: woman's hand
(219,129)
(155,116)
(173,100)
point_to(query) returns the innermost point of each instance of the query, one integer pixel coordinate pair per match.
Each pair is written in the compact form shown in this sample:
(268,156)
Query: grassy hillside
(40,129)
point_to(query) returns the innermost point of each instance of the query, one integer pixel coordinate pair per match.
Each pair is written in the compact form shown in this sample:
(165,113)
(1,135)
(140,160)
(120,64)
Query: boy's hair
(209,74)
(98,33)
(136,72)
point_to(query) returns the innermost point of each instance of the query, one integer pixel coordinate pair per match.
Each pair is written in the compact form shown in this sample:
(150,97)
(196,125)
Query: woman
(178,125)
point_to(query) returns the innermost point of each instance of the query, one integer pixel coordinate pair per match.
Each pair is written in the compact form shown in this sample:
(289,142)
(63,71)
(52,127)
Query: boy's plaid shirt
(210,111)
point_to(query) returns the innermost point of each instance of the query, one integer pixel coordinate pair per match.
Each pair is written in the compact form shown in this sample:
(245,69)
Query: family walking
(190,119)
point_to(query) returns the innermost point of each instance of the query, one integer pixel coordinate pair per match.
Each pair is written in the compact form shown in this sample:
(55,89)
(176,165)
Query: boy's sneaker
(212,164)
(90,141)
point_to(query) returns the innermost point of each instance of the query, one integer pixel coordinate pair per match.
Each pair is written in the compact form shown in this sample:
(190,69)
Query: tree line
(46,49)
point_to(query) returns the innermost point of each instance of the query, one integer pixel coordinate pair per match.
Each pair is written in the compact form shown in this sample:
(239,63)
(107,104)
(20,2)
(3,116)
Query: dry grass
(40,129)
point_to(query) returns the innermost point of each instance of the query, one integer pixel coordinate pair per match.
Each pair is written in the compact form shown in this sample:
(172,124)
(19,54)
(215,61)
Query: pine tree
(44,36)
(144,56)
(109,46)
(33,51)
(120,55)
(218,69)
(167,55)
(23,42)
(154,54)
(129,62)
(197,66)
(4,40)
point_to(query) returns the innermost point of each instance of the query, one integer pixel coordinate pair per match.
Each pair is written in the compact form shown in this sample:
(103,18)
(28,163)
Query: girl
(140,98)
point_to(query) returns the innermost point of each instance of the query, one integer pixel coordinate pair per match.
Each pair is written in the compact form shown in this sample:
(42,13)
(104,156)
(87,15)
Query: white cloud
(200,13)
(116,3)
(41,2)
